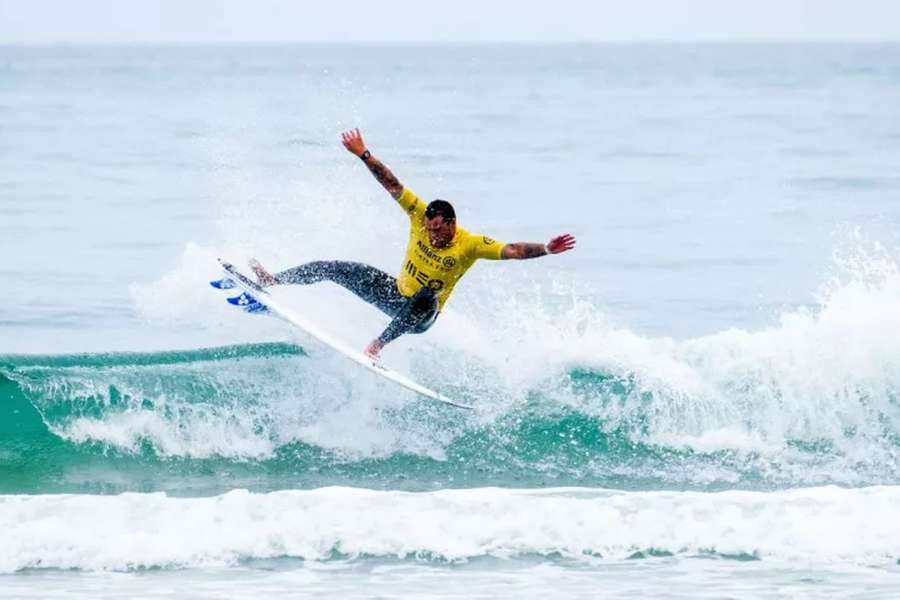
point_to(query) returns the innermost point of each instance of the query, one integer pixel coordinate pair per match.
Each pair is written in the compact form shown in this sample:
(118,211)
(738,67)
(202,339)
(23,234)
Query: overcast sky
(118,21)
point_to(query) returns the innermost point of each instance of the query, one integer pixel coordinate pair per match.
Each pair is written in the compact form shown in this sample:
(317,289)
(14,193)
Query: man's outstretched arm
(354,143)
(560,243)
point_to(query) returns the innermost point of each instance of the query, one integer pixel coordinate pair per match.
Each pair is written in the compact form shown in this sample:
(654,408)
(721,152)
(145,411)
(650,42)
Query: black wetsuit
(413,314)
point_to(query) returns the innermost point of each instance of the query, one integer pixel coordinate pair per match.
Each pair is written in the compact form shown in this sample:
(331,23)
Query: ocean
(702,400)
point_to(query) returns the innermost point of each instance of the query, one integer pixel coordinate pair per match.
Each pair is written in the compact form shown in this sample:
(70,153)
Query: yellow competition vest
(438,268)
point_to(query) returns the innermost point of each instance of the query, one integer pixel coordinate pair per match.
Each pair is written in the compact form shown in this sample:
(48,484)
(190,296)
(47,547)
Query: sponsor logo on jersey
(488,241)
(422,278)
(449,262)
(428,252)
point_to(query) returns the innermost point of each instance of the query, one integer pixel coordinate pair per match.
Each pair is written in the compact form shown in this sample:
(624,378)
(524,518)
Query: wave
(563,398)
(267,416)
(140,531)
(215,418)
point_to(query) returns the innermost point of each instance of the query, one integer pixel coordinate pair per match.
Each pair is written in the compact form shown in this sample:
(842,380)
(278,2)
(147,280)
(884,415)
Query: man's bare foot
(373,350)
(264,278)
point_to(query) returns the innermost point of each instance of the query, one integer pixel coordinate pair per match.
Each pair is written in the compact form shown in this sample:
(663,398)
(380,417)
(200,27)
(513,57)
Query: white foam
(827,373)
(197,437)
(242,409)
(129,531)
(824,374)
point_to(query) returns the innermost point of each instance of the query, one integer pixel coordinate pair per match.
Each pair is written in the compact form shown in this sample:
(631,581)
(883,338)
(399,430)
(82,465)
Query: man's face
(440,232)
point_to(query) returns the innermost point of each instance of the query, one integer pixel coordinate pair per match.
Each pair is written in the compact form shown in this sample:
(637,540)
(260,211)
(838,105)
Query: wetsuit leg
(417,315)
(372,285)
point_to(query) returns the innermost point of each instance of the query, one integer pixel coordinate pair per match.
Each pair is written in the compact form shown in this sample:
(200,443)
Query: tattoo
(523,250)
(534,250)
(384,176)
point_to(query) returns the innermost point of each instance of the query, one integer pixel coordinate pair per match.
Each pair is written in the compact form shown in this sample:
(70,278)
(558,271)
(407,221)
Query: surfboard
(256,299)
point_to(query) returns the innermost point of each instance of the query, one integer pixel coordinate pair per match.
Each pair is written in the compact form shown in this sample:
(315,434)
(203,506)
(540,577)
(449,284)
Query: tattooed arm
(523,250)
(560,243)
(354,143)
(384,176)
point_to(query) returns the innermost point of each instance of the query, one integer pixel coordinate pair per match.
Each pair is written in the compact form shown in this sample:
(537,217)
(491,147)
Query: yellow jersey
(438,268)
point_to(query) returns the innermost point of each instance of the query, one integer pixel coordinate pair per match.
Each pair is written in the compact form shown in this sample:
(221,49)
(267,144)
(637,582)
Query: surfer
(437,255)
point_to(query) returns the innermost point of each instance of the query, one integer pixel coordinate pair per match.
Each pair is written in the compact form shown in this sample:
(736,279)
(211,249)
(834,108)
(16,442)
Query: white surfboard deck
(251,287)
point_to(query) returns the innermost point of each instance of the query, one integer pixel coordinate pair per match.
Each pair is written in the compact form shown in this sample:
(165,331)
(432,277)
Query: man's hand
(560,243)
(353,142)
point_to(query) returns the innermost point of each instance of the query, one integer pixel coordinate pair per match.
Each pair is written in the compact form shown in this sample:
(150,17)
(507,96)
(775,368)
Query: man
(437,256)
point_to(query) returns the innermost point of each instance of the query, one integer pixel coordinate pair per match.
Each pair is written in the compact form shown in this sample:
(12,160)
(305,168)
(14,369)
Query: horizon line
(520,42)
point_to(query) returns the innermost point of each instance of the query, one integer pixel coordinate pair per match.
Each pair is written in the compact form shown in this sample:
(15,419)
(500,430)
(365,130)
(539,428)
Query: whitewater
(700,401)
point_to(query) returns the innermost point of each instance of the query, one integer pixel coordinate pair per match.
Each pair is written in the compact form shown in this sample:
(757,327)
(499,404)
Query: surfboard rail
(292,317)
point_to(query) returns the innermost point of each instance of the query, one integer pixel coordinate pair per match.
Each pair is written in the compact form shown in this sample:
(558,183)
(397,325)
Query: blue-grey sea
(702,400)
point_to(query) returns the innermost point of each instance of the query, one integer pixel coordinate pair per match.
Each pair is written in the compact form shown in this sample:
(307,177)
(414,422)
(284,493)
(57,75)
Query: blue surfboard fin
(248,303)
(256,308)
(243,300)
(222,284)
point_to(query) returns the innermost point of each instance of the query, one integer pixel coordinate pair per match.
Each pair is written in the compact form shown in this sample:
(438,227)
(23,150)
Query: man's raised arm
(354,143)
(560,243)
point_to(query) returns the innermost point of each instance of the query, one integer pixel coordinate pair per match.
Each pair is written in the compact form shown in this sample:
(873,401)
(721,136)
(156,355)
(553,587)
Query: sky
(161,21)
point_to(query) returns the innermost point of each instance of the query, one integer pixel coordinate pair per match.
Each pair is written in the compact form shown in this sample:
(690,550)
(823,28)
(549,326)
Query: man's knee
(424,309)
(425,323)
(425,296)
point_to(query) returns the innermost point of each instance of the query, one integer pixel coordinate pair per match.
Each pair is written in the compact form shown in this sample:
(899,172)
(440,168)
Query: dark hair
(442,208)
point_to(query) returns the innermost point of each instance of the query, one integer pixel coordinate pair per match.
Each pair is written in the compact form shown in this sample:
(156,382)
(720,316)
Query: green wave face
(267,417)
